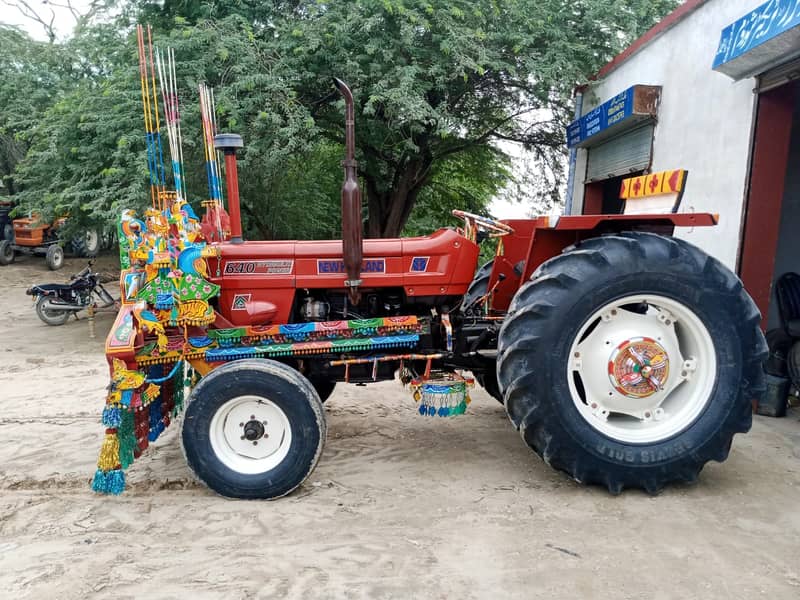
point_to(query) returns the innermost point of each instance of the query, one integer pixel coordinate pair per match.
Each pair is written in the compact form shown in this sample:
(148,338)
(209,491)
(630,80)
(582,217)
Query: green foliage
(31,77)
(465,181)
(437,84)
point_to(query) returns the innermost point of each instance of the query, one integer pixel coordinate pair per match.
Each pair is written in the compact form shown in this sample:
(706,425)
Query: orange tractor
(31,235)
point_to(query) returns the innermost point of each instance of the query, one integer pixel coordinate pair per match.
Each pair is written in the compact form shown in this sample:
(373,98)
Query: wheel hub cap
(253,430)
(638,367)
(641,368)
(250,434)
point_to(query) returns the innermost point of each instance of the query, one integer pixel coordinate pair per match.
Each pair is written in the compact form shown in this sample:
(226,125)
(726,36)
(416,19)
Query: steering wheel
(474,223)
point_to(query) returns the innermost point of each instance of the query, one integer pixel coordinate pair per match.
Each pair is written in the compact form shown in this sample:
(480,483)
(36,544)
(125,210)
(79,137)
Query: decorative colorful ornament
(638,367)
(442,394)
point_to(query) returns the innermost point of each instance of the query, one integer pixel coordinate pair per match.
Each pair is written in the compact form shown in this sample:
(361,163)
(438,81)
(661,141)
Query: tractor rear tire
(87,244)
(54,257)
(608,305)
(476,290)
(253,429)
(8,232)
(6,252)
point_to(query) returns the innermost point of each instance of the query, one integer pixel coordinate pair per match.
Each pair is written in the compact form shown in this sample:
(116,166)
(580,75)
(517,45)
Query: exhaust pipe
(50,305)
(352,241)
(229,143)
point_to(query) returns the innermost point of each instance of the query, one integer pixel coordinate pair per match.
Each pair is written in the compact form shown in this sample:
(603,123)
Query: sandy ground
(400,506)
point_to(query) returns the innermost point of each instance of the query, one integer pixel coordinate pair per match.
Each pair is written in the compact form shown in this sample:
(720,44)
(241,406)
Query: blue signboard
(758,26)
(609,113)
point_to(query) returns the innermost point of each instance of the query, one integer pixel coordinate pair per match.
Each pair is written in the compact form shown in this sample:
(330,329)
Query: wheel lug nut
(266,435)
(255,443)
(252,417)
(241,424)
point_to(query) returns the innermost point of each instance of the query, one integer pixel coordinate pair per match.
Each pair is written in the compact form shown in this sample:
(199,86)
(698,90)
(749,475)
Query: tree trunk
(389,209)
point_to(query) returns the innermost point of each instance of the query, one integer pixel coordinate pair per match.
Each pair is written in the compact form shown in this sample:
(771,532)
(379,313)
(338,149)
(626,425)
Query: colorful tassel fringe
(109,452)
(111,482)
(127,440)
(112,416)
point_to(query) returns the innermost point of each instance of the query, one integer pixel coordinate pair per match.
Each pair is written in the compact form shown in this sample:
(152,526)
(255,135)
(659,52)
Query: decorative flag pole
(161,174)
(165,64)
(155,163)
(216,219)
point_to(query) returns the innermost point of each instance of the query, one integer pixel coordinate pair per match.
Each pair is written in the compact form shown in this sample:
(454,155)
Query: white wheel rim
(250,434)
(92,240)
(642,378)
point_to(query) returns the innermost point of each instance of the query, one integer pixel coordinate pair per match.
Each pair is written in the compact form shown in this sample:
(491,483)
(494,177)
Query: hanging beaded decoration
(442,394)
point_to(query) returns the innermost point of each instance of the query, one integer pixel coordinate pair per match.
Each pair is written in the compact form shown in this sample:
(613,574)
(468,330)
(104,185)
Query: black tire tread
(63,316)
(270,368)
(6,253)
(552,284)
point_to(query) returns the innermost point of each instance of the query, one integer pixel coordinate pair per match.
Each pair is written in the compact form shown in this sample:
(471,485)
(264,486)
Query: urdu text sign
(601,118)
(758,26)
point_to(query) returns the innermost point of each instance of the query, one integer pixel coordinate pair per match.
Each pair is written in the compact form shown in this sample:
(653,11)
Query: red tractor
(624,356)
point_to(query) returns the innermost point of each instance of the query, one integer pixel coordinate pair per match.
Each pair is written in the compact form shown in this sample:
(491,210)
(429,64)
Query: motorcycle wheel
(48,315)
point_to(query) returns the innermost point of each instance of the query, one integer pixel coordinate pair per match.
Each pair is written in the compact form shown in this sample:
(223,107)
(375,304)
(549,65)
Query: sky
(63,23)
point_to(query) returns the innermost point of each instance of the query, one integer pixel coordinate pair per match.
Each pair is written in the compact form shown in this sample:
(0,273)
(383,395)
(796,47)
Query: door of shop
(777,130)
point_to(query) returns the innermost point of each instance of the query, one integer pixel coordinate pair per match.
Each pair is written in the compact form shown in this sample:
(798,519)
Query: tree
(30,80)
(435,79)
(437,86)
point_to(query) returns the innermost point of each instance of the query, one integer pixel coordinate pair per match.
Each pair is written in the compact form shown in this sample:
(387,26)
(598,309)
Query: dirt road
(400,506)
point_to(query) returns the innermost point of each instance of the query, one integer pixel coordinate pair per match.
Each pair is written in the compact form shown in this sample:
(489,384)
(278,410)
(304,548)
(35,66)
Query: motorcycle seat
(47,288)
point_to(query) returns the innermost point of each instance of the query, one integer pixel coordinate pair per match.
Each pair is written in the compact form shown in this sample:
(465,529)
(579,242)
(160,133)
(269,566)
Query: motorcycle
(55,302)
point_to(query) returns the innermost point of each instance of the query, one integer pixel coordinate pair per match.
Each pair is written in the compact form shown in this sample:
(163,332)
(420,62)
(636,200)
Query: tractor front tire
(253,429)
(631,361)
(54,257)
(6,252)
(323,386)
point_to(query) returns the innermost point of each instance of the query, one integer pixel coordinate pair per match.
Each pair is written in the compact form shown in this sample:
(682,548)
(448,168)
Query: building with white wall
(712,89)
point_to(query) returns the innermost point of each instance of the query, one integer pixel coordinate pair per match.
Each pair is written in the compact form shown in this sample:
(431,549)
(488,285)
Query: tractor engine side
(289,282)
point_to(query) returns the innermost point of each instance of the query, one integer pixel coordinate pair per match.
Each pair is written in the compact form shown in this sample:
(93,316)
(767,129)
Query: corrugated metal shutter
(621,155)
(779,76)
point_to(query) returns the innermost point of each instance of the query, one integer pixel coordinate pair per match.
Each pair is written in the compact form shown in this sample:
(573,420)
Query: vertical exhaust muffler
(352,241)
